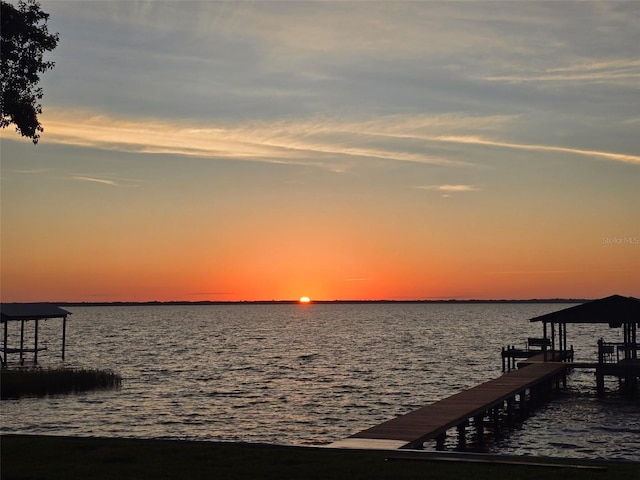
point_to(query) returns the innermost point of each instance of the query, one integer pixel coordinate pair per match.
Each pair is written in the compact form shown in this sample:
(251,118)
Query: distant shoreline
(317,302)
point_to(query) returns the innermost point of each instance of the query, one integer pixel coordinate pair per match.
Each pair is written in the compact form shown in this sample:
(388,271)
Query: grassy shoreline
(49,457)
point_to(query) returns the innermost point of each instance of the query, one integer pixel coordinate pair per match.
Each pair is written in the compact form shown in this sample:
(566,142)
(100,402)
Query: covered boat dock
(614,358)
(23,313)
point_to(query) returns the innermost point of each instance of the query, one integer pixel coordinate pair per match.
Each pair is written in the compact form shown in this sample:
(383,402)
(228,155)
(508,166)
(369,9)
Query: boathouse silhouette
(23,313)
(614,358)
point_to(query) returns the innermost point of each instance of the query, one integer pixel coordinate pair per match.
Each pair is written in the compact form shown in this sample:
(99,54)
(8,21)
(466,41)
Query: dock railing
(534,347)
(618,359)
(607,352)
(616,352)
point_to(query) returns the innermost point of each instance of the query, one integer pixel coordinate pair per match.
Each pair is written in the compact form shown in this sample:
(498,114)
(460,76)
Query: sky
(263,150)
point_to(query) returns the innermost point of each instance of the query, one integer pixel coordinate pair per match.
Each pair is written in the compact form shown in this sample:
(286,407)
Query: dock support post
(601,351)
(21,342)
(510,410)
(514,362)
(523,404)
(64,334)
(462,437)
(495,418)
(478,421)
(35,349)
(599,372)
(599,380)
(4,344)
(440,439)
(533,397)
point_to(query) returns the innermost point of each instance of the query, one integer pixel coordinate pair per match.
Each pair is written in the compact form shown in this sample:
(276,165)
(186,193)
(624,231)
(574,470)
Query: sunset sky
(337,150)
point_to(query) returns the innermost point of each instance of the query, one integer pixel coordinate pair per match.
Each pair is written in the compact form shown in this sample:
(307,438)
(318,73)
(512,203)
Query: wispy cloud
(450,188)
(620,157)
(211,293)
(615,71)
(320,142)
(536,272)
(105,181)
(29,171)
(96,180)
(323,142)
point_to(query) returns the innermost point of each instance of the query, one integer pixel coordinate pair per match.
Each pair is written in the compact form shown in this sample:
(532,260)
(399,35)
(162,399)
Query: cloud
(319,142)
(536,272)
(450,188)
(96,180)
(105,181)
(211,293)
(623,71)
(30,171)
(260,59)
(425,78)
(474,140)
(336,144)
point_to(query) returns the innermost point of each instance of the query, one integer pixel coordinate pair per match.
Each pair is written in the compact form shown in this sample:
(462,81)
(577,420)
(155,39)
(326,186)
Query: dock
(529,375)
(511,395)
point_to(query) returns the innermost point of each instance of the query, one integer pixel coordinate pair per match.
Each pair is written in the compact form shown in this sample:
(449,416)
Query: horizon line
(284,302)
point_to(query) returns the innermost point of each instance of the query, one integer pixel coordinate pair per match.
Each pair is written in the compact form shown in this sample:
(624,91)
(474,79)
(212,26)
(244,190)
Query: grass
(16,383)
(69,458)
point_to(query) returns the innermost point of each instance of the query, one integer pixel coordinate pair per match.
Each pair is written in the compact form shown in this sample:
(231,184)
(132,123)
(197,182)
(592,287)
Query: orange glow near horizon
(411,264)
(305,300)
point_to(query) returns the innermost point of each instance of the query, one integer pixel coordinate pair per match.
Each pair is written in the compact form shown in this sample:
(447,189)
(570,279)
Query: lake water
(311,374)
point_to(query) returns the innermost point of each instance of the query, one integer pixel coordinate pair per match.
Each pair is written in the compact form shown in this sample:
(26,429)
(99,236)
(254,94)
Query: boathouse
(22,313)
(614,358)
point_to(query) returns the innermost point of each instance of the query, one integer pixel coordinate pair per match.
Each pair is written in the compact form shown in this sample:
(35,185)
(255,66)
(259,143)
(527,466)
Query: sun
(304,300)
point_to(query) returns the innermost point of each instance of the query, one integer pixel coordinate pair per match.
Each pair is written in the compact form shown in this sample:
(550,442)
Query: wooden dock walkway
(431,422)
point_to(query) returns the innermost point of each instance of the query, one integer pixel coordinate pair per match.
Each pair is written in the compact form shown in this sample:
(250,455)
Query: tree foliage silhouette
(25,39)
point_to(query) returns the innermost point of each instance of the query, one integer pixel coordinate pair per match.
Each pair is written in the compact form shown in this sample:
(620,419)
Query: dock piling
(478,421)
(462,435)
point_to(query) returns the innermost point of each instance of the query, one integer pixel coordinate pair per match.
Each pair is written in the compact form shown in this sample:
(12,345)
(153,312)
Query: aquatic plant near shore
(16,383)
